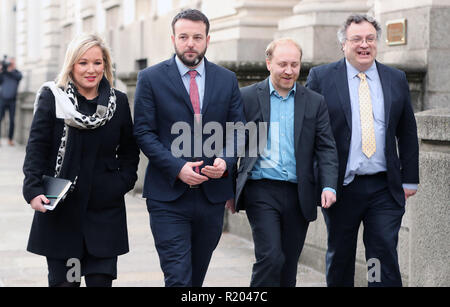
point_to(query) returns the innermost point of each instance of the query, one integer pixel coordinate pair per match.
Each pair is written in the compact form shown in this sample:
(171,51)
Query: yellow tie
(365,111)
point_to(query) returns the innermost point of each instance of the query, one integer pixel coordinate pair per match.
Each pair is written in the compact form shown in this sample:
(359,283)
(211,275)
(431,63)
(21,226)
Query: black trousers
(279,231)
(186,232)
(366,199)
(10,105)
(59,270)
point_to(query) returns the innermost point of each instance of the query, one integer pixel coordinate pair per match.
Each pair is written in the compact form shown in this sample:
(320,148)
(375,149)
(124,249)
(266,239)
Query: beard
(190,63)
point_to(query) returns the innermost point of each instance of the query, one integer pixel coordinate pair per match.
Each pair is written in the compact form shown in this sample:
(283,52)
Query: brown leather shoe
(10,142)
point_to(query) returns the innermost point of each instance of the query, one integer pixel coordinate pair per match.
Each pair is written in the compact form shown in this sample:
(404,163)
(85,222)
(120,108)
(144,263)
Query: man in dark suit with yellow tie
(186,193)
(371,118)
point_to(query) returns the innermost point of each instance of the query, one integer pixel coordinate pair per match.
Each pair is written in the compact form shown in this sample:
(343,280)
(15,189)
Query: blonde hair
(272,45)
(77,47)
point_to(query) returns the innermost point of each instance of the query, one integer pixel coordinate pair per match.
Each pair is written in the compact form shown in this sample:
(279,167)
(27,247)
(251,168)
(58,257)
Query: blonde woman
(81,131)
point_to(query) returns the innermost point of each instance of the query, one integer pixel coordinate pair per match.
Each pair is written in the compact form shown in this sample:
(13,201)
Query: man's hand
(216,170)
(230,205)
(409,193)
(36,203)
(189,176)
(328,198)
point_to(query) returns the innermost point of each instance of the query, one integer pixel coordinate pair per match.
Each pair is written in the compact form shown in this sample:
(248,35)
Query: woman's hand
(38,202)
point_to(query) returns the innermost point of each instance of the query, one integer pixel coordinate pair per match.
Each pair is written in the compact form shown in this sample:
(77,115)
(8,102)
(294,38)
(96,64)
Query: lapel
(175,79)
(299,113)
(263,93)
(340,78)
(385,78)
(211,75)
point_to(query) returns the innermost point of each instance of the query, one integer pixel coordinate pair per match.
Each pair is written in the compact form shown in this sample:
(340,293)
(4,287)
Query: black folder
(56,190)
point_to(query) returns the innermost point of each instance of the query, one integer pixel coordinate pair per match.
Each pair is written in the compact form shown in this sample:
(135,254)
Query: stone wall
(429,215)
(427,44)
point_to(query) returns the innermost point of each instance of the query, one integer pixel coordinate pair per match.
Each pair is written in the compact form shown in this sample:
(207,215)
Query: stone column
(315,24)
(37,48)
(51,39)
(7,42)
(7,28)
(427,44)
(243,34)
(21,36)
(38,41)
(429,215)
(23,109)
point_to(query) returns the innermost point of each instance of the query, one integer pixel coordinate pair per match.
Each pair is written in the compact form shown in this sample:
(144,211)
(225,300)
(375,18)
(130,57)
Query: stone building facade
(37,32)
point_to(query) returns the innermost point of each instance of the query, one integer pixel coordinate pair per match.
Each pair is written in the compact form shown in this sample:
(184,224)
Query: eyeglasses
(359,40)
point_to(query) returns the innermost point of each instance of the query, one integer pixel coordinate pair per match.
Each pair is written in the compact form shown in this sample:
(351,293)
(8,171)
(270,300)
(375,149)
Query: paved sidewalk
(230,265)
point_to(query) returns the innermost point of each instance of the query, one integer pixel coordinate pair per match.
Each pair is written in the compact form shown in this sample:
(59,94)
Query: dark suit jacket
(94,213)
(161,101)
(312,137)
(331,81)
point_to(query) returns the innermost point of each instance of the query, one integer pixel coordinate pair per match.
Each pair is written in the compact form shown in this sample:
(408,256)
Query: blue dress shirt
(358,163)
(278,161)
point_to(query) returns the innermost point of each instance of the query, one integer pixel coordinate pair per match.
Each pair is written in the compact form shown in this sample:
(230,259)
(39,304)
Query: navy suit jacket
(161,100)
(330,80)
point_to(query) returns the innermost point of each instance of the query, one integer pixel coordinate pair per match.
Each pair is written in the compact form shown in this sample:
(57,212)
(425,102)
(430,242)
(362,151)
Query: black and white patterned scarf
(80,121)
(66,106)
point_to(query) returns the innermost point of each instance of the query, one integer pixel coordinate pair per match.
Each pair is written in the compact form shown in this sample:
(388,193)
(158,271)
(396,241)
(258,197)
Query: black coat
(93,214)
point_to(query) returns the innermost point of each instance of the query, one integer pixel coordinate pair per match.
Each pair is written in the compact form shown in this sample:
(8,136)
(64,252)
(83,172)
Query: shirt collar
(272,89)
(352,72)
(184,70)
